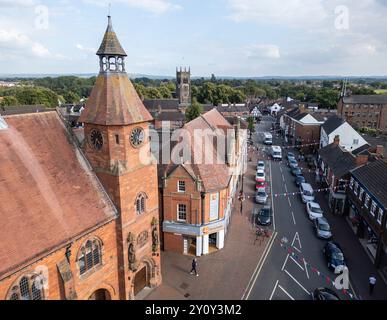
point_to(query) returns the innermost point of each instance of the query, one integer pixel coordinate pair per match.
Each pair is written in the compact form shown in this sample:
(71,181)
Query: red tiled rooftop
(48,195)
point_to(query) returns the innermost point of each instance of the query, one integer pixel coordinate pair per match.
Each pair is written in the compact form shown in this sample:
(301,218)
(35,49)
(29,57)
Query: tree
(9,101)
(250,121)
(71,97)
(194,111)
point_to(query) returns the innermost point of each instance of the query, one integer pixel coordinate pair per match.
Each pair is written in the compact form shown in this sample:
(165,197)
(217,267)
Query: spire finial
(110,7)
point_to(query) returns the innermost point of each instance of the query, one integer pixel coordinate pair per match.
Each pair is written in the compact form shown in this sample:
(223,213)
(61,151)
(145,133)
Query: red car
(261,184)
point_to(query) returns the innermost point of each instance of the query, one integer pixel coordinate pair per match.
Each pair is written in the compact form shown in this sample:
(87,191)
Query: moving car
(323,229)
(261,165)
(261,196)
(291,156)
(264,216)
(307,193)
(268,139)
(334,256)
(276,153)
(296,172)
(260,176)
(299,179)
(293,163)
(324,294)
(314,210)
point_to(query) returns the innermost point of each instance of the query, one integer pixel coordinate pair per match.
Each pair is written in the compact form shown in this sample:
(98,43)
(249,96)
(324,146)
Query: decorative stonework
(142,239)
(133,265)
(155,235)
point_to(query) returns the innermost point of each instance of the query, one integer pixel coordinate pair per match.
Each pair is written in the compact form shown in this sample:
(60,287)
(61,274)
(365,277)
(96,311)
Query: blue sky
(224,37)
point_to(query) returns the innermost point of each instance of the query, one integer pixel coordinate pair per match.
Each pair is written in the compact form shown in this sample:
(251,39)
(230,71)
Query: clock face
(137,137)
(96,139)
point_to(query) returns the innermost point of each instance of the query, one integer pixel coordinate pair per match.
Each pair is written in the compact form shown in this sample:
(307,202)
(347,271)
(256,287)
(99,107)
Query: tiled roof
(332,124)
(155,104)
(48,194)
(171,116)
(374,177)
(366,99)
(114,101)
(338,160)
(215,176)
(12,110)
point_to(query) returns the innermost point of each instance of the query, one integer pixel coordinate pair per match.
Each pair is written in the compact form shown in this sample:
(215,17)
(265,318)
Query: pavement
(223,275)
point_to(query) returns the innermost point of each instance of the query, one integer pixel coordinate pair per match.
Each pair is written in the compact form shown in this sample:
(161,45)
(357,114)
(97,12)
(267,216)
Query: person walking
(372,281)
(194,267)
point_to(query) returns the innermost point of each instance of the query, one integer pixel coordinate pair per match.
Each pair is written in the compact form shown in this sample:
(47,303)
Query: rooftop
(338,159)
(366,99)
(332,124)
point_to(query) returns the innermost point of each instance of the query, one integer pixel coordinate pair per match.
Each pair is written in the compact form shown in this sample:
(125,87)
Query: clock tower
(117,145)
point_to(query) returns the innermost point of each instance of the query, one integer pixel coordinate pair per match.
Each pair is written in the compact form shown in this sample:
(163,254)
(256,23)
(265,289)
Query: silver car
(261,196)
(323,229)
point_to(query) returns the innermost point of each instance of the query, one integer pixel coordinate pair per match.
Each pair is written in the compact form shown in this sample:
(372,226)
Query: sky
(241,38)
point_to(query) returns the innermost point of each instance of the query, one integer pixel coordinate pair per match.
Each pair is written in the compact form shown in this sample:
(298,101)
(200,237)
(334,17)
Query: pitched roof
(164,104)
(366,99)
(171,116)
(48,194)
(11,110)
(215,176)
(337,159)
(110,44)
(374,177)
(332,124)
(114,101)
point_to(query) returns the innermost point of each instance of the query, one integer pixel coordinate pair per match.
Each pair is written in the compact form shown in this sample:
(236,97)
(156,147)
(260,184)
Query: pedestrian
(372,281)
(194,267)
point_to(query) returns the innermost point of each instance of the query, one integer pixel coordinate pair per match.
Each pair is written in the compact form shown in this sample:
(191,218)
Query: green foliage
(9,101)
(71,97)
(32,96)
(194,111)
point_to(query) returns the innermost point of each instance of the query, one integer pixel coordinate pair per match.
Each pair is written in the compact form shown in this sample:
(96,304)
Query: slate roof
(48,194)
(366,99)
(164,104)
(110,44)
(332,124)
(12,110)
(171,116)
(337,159)
(374,177)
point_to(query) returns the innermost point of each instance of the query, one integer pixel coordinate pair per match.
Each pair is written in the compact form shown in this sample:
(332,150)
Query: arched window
(140,203)
(28,288)
(90,256)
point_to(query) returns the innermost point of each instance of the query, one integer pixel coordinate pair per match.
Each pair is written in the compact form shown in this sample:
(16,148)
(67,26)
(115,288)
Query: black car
(334,256)
(296,172)
(324,294)
(299,179)
(263,217)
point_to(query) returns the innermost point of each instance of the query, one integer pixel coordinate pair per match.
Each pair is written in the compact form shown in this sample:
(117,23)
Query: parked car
(261,165)
(261,184)
(314,210)
(293,163)
(323,229)
(307,193)
(291,156)
(335,257)
(264,216)
(299,179)
(261,196)
(324,294)
(260,176)
(296,172)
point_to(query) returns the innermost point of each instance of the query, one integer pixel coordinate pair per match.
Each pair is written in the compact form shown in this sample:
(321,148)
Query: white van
(307,193)
(276,153)
(267,139)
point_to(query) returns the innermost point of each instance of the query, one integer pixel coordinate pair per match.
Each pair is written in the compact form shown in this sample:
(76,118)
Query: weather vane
(110,6)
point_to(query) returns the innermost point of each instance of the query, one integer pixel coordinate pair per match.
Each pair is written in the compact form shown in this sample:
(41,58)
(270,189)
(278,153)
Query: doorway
(101,294)
(141,281)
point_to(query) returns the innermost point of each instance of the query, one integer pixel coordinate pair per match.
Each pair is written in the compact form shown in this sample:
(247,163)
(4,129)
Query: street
(295,265)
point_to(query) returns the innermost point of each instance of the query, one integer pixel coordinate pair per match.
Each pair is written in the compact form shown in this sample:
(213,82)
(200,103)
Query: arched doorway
(101,294)
(141,280)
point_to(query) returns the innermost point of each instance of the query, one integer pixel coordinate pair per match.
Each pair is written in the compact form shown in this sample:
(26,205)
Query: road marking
(258,269)
(295,261)
(272,202)
(286,292)
(290,204)
(297,237)
(283,178)
(275,288)
(286,260)
(286,189)
(294,219)
(306,268)
(294,279)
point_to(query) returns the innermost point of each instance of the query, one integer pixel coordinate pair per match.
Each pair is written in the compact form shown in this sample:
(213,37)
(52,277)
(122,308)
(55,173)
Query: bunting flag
(328,280)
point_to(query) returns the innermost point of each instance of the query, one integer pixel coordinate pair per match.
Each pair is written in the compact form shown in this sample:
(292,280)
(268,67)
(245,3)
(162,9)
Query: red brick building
(81,222)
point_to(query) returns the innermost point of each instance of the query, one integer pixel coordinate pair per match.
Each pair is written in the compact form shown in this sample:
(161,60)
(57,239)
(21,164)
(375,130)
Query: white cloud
(17,3)
(263,51)
(85,49)
(153,6)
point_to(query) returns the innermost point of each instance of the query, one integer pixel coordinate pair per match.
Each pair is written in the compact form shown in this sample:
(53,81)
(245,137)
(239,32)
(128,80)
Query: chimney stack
(380,151)
(361,160)
(336,142)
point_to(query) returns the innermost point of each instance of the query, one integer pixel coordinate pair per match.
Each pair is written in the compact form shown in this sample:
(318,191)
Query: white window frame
(361,194)
(178,212)
(356,188)
(367,200)
(373,208)
(351,183)
(178,186)
(380,216)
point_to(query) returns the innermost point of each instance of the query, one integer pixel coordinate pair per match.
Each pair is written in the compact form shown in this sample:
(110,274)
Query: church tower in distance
(183,86)
(117,145)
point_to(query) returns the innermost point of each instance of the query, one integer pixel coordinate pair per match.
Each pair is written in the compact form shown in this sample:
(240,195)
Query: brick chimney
(302,108)
(380,151)
(336,142)
(361,160)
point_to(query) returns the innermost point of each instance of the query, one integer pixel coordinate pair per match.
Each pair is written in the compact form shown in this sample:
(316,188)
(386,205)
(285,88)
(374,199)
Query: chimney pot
(337,141)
